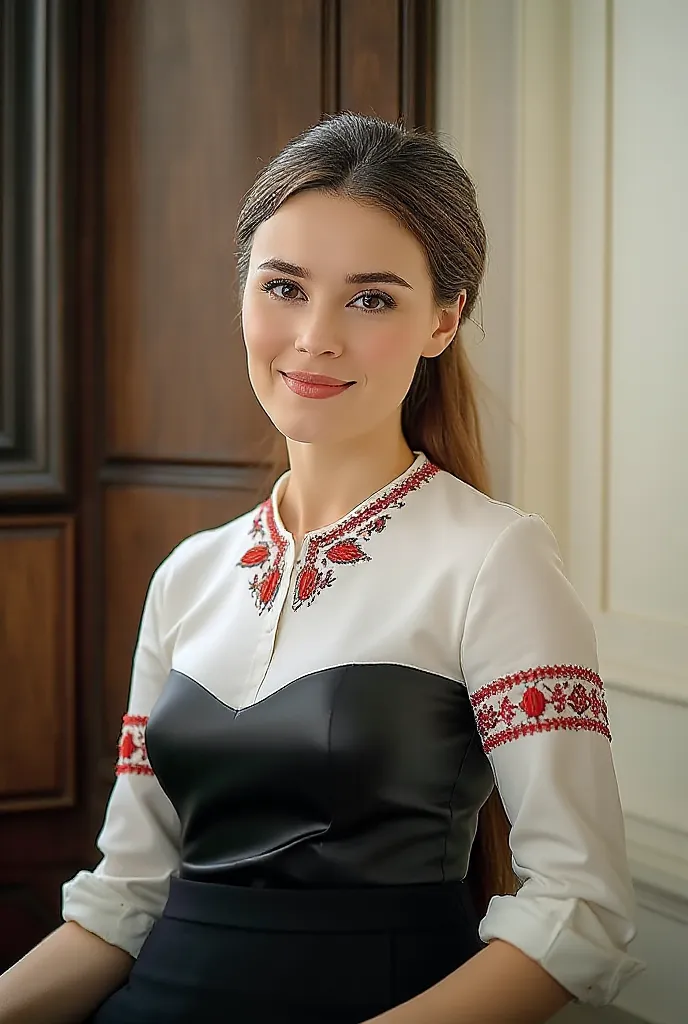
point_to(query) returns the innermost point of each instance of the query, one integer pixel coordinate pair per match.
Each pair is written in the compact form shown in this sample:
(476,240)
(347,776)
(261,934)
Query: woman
(326,690)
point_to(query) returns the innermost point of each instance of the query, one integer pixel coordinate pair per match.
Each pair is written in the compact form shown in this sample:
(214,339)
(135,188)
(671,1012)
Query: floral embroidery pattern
(133,756)
(267,555)
(342,544)
(540,700)
(338,546)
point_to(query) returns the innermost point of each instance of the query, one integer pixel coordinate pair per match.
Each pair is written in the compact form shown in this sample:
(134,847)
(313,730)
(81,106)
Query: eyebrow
(368,277)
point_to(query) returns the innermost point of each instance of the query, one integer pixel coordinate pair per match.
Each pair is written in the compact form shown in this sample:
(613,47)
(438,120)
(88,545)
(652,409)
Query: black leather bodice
(367,774)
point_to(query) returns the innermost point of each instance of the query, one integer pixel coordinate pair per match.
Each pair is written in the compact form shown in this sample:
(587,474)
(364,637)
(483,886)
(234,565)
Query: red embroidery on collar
(340,545)
(266,554)
(132,753)
(540,700)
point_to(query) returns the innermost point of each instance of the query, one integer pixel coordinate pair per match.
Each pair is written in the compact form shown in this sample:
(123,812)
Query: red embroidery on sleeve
(540,699)
(133,756)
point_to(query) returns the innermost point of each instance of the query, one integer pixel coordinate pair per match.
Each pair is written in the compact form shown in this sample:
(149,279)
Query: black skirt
(292,956)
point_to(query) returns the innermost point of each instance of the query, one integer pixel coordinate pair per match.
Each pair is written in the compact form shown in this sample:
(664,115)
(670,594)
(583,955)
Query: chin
(310,430)
(309,434)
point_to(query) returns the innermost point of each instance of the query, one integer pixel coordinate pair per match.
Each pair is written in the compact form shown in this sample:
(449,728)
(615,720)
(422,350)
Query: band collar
(417,474)
(343,542)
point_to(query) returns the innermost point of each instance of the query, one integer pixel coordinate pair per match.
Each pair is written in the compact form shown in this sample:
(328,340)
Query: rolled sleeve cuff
(99,907)
(568,941)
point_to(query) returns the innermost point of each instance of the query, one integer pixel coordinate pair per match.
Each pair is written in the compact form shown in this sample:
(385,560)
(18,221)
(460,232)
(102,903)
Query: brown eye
(287,291)
(373,302)
(281,289)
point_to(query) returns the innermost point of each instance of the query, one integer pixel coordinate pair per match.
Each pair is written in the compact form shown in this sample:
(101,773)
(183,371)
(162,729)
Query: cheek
(261,330)
(394,352)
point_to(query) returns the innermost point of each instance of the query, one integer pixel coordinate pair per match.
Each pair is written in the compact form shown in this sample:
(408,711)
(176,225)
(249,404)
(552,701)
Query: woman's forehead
(332,233)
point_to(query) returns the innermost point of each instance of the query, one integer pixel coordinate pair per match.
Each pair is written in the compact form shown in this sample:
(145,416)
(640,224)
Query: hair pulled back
(412,177)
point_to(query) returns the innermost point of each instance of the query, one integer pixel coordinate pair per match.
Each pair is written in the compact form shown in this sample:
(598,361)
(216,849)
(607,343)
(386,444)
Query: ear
(448,321)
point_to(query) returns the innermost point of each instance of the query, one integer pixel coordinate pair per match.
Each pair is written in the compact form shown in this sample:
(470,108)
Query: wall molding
(640,654)
(540,386)
(632,679)
(658,857)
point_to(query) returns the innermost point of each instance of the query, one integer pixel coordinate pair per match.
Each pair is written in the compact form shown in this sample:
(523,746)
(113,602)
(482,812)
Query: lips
(317,378)
(315,385)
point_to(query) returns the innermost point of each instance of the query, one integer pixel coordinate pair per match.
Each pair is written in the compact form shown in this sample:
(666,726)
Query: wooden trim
(183,475)
(91,385)
(38,200)
(331,55)
(418,38)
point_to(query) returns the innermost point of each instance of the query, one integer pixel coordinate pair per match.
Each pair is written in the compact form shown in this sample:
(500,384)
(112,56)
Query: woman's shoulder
(475,519)
(482,537)
(207,552)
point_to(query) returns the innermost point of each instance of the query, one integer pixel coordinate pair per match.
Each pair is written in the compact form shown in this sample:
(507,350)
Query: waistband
(440,907)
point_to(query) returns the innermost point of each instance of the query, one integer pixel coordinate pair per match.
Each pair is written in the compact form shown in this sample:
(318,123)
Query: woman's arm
(529,662)
(63,979)
(500,985)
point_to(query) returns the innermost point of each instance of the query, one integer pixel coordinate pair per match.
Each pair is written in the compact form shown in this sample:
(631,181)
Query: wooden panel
(418,62)
(37,198)
(370,49)
(198,91)
(142,525)
(386,59)
(36,663)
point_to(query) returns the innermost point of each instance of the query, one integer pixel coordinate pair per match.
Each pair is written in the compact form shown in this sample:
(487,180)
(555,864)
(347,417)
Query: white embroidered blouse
(427,573)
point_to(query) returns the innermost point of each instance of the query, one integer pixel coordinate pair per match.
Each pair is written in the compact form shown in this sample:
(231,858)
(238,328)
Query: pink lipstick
(314,385)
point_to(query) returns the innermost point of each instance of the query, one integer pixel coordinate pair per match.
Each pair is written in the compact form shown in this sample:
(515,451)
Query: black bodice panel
(364,774)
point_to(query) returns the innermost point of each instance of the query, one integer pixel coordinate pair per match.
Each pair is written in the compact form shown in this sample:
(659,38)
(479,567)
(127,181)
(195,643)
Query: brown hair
(411,176)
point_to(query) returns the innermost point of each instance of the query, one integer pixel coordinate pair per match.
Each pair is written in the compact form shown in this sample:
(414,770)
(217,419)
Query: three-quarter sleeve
(125,894)
(529,661)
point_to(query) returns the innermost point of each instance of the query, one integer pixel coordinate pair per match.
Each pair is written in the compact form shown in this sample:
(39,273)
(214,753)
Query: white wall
(572,116)
(485,144)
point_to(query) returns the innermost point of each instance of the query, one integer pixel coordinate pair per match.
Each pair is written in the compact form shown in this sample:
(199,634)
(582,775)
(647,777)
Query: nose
(318,336)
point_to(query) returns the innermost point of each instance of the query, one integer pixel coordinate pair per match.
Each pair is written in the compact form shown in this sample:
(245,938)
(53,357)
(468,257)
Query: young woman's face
(337,310)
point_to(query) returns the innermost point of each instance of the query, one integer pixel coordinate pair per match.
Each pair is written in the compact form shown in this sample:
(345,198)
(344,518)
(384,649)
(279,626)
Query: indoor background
(130,131)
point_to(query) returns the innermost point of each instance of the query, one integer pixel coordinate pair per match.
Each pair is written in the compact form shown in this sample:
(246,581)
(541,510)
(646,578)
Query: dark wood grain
(371,57)
(47,59)
(387,59)
(37,768)
(198,94)
(418,41)
(37,270)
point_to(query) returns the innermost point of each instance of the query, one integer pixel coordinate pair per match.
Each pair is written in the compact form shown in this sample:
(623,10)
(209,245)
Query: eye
(281,288)
(373,302)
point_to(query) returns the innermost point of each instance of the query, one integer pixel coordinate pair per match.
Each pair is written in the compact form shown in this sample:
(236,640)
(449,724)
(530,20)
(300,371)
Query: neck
(326,482)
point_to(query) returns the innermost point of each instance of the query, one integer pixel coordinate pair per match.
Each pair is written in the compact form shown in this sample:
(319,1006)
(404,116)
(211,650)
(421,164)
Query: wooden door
(42,824)
(133,423)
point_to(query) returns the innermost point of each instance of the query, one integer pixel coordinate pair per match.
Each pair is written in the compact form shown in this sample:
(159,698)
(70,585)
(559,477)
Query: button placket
(271,619)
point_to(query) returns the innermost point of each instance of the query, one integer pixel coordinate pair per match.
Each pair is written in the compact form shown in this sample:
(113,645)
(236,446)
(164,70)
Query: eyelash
(389,302)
